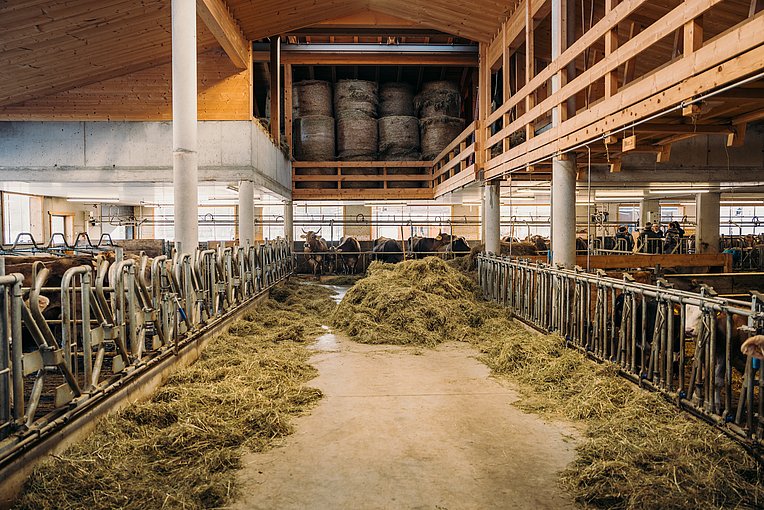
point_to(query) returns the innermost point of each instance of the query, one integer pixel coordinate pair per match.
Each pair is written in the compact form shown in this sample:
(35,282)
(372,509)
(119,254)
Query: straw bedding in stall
(180,449)
(638,450)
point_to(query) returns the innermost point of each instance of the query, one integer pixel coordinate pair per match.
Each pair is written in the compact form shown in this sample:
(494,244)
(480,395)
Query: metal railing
(644,330)
(116,320)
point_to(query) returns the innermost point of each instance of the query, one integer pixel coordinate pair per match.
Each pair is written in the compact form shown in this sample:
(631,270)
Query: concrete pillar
(564,211)
(246,213)
(289,222)
(184,135)
(649,211)
(707,213)
(492,208)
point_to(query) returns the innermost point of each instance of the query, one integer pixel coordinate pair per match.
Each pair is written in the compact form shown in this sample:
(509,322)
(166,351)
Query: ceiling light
(101,200)
(677,191)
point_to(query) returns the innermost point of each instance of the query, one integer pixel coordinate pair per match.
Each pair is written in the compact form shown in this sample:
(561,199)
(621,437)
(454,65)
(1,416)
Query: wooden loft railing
(349,180)
(453,168)
(519,133)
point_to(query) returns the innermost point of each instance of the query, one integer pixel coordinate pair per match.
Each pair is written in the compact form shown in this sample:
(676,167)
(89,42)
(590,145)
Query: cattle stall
(682,344)
(75,330)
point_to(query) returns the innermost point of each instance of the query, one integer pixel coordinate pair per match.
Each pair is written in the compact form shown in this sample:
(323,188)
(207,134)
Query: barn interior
(177,175)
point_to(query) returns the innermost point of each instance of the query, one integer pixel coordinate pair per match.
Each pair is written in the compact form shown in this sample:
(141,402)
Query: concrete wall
(138,151)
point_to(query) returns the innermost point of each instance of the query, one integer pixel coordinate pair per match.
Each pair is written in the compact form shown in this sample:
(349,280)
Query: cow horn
(303,230)
(319,230)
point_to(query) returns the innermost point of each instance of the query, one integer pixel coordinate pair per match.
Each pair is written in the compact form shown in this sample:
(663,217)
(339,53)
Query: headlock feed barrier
(118,319)
(691,348)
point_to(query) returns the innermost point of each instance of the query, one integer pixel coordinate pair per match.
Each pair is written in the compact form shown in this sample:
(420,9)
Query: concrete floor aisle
(399,429)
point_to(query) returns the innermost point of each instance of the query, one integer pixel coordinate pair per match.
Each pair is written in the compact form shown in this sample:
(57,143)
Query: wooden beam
(288,107)
(219,21)
(276,89)
(693,36)
(296,57)
(530,61)
(611,44)
(737,138)
(637,260)
(664,155)
(615,166)
(684,128)
(749,117)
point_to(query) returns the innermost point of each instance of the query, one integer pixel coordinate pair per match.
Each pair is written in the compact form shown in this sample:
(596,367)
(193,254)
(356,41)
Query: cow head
(693,321)
(754,346)
(312,239)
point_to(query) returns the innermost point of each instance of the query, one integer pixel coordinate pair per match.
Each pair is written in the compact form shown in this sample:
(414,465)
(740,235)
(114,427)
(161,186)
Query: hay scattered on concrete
(180,449)
(420,302)
(639,451)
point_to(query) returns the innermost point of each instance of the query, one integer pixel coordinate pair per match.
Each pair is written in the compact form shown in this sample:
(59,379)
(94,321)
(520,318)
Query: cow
(315,250)
(651,317)
(541,243)
(425,246)
(753,347)
(457,246)
(387,250)
(349,251)
(694,327)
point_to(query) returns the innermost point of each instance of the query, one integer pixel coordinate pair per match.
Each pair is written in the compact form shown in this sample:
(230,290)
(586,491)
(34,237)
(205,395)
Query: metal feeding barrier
(683,344)
(117,319)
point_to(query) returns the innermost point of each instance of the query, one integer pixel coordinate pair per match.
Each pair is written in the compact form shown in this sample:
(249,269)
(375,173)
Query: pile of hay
(180,449)
(640,452)
(421,302)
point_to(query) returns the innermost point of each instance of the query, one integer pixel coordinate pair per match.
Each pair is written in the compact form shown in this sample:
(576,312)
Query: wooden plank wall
(145,96)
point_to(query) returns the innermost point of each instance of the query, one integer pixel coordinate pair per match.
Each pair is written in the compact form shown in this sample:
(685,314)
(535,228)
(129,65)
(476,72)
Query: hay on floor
(180,449)
(419,302)
(638,452)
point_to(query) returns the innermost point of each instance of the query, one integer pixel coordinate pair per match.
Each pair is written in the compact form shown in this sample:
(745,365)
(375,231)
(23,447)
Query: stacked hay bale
(398,130)
(438,105)
(313,128)
(355,104)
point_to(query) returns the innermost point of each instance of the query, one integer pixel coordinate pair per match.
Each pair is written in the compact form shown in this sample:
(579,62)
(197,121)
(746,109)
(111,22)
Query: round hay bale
(357,137)
(312,97)
(399,138)
(314,140)
(438,99)
(437,133)
(356,95)
(396,99)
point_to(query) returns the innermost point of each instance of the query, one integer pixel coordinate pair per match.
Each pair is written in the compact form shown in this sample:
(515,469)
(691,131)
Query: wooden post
(288,107)
(506,91)
(276,89)
(530,58)
(611,44)
(693,36)
(484,97)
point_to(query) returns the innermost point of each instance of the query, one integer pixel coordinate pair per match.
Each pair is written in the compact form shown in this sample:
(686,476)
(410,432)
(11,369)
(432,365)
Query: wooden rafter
(217,17)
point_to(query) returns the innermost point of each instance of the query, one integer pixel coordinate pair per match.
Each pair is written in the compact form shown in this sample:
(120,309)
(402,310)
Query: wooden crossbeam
(219,21)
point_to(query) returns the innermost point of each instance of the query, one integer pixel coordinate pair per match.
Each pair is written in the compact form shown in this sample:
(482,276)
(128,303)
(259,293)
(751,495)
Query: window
(273,221)
(740,219)
(16,217)
(215,223)
(418,220)
(328,218)
(520,221)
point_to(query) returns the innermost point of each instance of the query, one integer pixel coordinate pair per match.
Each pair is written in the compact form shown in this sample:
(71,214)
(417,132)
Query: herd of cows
(345,256)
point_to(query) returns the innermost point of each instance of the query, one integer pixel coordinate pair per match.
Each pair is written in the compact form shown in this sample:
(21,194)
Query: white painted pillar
(563,170)
(492,216)
(564,211)
(649,212)
(289,222)
(184,136)
(707,212)
(246,213)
